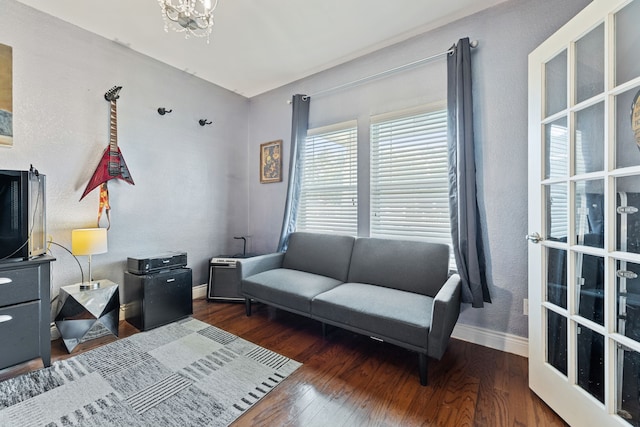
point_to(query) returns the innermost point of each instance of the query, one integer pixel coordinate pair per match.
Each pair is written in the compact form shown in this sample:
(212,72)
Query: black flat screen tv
(23,231)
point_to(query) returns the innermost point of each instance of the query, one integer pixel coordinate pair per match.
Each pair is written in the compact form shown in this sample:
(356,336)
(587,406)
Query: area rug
(187,373)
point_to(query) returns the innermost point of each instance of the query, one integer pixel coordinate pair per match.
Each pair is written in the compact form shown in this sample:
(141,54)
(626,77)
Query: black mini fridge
(158,298)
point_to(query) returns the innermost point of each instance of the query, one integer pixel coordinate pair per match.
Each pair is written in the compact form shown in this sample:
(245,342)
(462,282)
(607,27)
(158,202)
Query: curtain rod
(473,43)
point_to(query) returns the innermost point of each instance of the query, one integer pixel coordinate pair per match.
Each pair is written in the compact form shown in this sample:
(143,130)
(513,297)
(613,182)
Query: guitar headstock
(112,94)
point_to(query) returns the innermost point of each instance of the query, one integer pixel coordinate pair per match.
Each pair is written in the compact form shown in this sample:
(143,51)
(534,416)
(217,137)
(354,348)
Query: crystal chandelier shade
(192,17)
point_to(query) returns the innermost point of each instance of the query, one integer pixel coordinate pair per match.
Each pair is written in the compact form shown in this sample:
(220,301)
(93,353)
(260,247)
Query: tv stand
(25,311)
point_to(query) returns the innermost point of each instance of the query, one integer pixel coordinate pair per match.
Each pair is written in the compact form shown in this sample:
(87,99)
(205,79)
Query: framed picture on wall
(271,162)
(6,97)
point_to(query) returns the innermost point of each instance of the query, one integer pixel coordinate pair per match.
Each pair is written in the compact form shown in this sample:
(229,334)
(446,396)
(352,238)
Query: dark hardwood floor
(351,380)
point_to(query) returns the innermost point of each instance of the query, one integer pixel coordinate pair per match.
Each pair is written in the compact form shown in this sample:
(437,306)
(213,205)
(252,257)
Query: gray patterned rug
(187,373)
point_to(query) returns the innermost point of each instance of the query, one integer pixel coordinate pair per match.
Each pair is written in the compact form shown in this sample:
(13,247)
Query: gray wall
(190,188)
(197,187)
(506,33)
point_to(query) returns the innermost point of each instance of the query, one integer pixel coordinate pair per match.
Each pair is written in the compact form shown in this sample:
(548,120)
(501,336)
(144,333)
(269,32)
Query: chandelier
(191,17)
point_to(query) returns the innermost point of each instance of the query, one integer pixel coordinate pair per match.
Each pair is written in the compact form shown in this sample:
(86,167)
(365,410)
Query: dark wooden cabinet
(159,298)
(25,311)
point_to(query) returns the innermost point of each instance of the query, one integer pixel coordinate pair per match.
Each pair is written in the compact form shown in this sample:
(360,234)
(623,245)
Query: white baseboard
(200,291)
(473,334)
(54,332)
(485,337)
(497,340)
(123,311)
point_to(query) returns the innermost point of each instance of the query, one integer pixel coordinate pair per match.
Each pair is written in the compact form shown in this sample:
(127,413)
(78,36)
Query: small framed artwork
(271,162)
(6,107)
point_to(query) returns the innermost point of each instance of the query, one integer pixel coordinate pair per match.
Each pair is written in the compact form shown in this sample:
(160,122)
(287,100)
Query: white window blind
(409,177)
(328,196)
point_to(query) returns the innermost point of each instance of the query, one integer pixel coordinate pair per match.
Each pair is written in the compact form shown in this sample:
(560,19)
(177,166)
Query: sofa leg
(247,306)
(422,363)
(324,330)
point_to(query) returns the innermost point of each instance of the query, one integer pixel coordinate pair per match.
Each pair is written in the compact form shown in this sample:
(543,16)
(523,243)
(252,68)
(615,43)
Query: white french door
(584,217)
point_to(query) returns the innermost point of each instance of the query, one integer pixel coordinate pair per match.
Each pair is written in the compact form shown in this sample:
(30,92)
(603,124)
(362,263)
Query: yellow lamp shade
(89,241)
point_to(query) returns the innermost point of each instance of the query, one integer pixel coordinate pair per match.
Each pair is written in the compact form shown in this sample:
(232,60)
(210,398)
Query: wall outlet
(525,306)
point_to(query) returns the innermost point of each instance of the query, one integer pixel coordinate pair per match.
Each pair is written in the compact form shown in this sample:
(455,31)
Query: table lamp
(89,241)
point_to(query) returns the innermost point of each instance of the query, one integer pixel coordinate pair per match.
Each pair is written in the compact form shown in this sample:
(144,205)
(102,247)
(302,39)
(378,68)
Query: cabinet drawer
(19,285)
(19,333)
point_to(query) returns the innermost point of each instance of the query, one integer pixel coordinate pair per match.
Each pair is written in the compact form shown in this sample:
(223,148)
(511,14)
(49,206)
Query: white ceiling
(259,45)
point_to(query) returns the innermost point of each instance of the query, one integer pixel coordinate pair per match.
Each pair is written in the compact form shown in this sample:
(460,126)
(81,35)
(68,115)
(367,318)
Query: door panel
(556,80)
(557,277)
(627,35)
(556,211)
(557,341)
(626,146)
(590,64)
(588,154)
(556,148)
(584,198)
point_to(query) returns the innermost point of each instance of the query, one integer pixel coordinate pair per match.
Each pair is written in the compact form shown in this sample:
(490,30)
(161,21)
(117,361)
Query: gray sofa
(397,291)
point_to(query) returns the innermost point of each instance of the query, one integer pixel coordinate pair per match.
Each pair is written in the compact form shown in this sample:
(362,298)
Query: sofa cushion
(292,289)
(324,254)
(411,266)
(378,311)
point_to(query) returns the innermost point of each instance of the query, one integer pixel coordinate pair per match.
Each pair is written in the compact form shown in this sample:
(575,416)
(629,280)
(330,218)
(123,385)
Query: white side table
(85,314)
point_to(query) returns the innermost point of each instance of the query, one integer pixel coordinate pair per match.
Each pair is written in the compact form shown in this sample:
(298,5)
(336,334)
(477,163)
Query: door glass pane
(557,341)
(589,139)
(589,213)
(556,80)
(628,299)
(557,277)
(628,214)
(556,212)
(591,362)
(627,40)
(627,130)
(628,372)
(556,149)
(590,64)
(590,280)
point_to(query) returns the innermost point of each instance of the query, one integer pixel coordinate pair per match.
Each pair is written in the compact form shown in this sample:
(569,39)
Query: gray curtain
(299,127)
(463,206)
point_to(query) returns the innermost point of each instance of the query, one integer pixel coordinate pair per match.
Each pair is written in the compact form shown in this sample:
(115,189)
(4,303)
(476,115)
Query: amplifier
(224,262)
(149,264)
(224,278)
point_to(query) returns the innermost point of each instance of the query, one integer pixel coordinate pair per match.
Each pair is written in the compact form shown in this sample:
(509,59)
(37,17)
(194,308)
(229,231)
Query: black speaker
(159,298)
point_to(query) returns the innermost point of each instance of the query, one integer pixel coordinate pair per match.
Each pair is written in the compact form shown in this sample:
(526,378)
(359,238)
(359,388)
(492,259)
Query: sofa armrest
(254,265)
(446,309)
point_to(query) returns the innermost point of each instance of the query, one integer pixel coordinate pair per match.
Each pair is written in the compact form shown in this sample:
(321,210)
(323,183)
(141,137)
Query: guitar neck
(113,128)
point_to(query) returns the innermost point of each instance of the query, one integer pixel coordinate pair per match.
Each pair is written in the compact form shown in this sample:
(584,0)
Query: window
(409,177)
(328,195)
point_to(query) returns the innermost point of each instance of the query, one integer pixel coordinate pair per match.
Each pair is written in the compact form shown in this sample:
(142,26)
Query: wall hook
(162,111)
(204,122)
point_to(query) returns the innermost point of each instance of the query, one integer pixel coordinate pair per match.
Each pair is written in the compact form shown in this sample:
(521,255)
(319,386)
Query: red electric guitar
(112,164)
